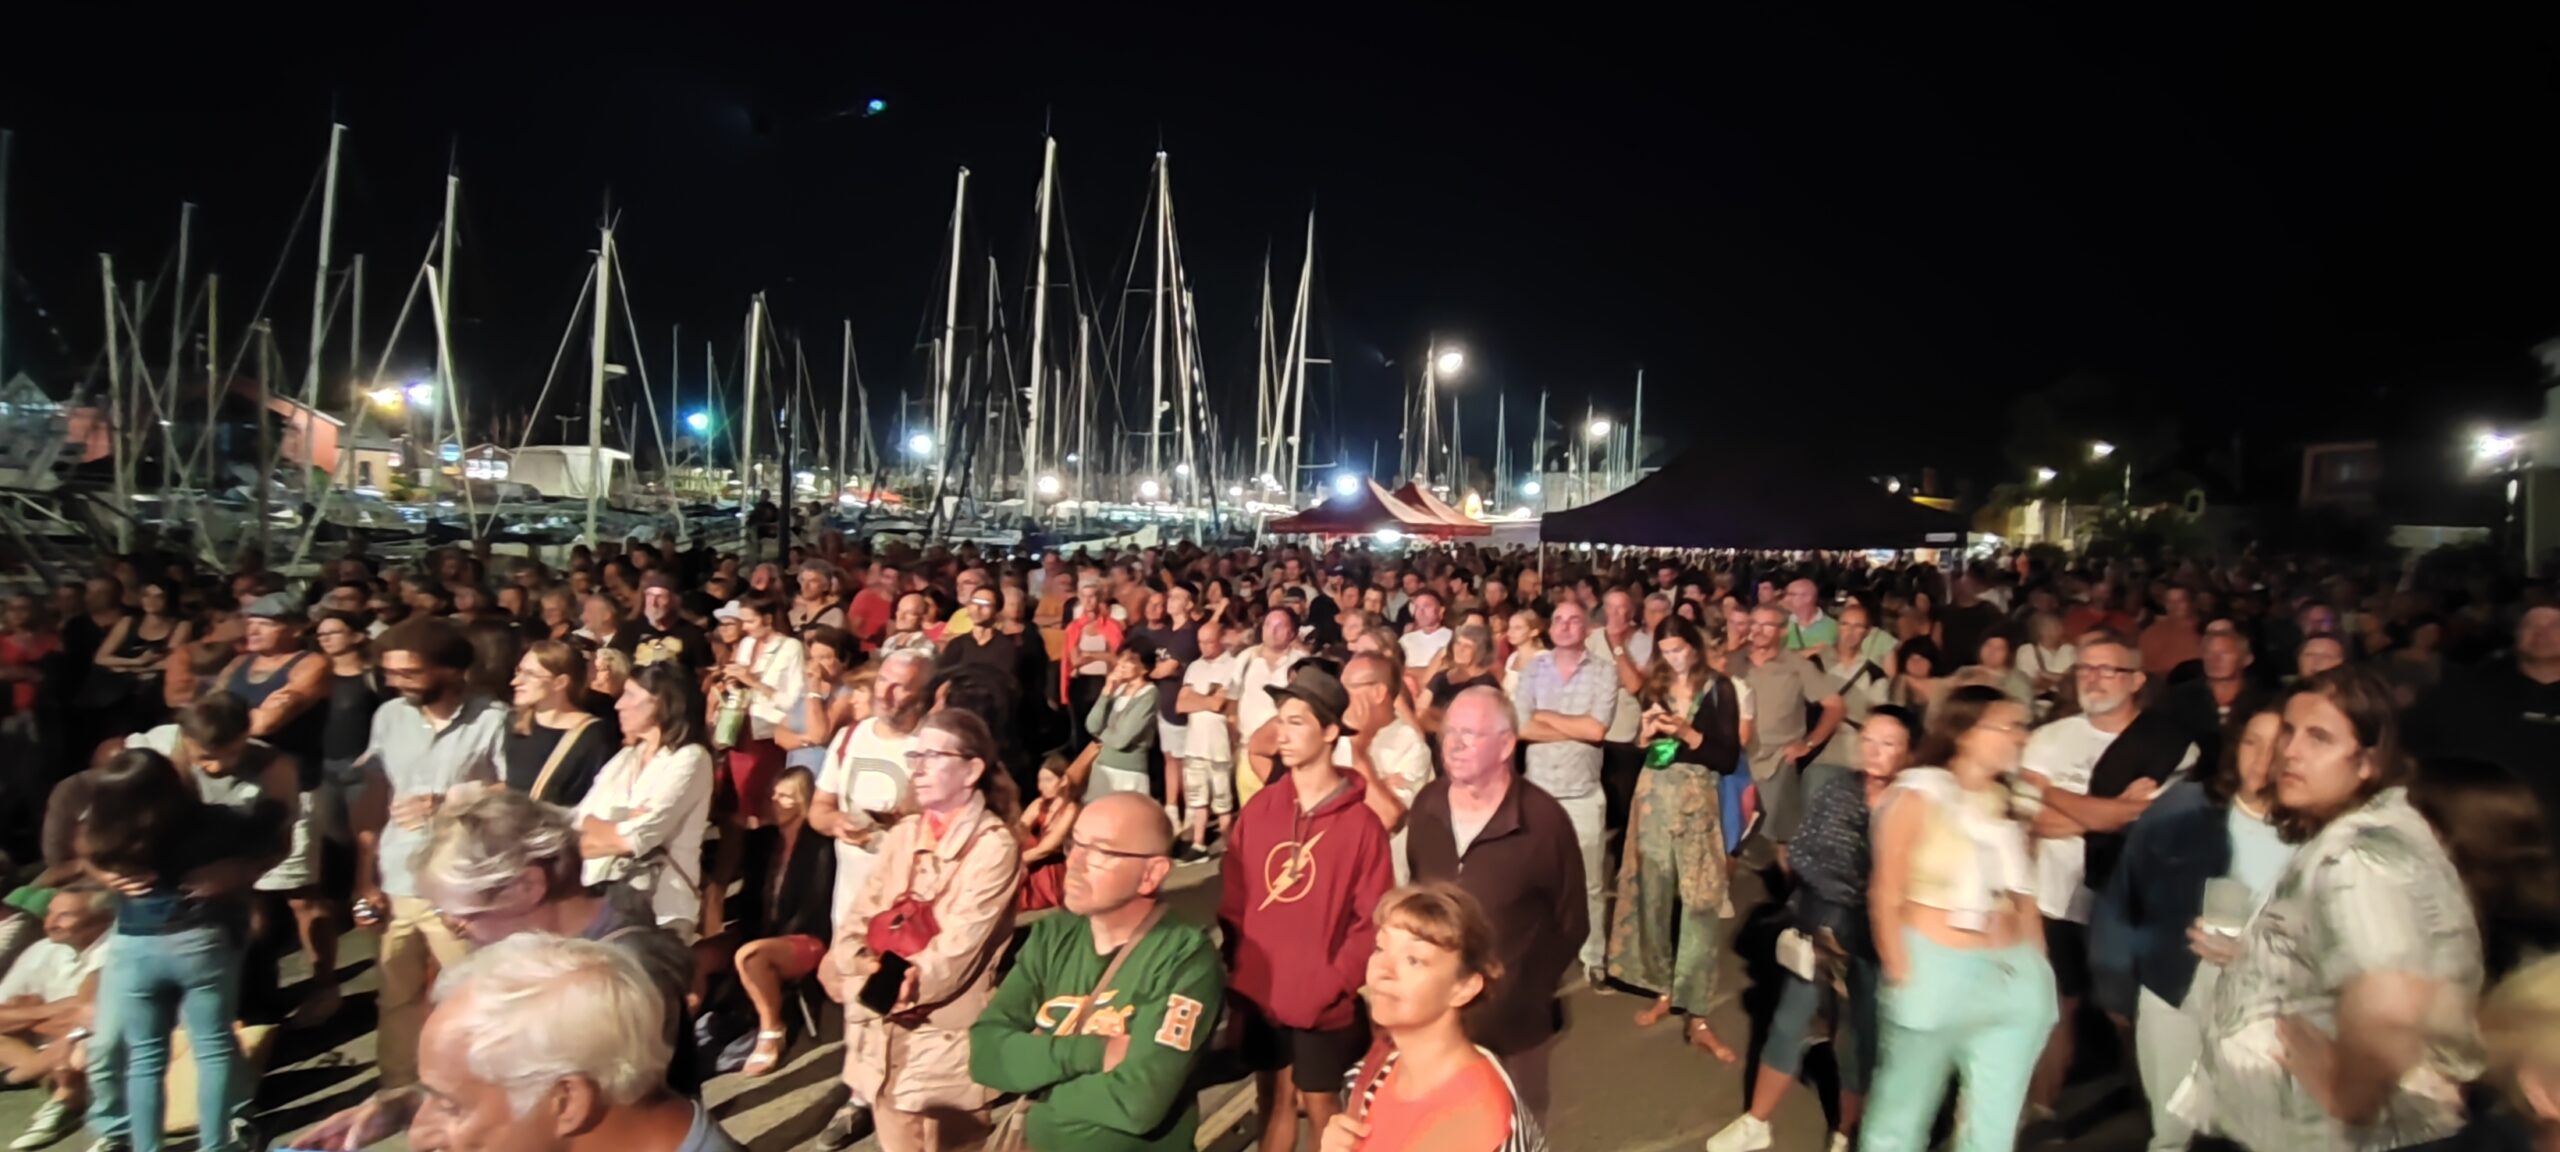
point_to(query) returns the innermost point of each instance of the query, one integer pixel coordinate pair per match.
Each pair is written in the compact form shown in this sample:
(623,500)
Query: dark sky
(1868,230)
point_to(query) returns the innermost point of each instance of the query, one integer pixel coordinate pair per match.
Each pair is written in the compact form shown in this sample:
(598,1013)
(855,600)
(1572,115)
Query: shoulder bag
(1011,1132)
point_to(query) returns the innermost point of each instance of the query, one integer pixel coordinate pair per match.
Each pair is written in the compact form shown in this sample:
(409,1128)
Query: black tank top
(349,727)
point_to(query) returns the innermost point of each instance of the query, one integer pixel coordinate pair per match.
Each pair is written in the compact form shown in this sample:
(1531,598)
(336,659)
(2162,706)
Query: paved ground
(1617,1088)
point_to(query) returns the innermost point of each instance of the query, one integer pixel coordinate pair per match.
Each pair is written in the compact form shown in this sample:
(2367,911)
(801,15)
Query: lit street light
(1599,429)
(1450,362)
(1345,484)
(387,397)
(2045,475)
(1048,486)
(1149,490)
(920,444)
(2100,450)
(698,421)
(1235,491)
(2492,447)
(1528,487)
(422,394)
(1182,470)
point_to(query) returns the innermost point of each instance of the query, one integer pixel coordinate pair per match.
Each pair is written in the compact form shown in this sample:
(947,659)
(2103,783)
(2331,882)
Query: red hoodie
(1298,896)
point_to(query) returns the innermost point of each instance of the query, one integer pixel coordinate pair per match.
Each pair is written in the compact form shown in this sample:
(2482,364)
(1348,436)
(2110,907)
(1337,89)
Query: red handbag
(907,926)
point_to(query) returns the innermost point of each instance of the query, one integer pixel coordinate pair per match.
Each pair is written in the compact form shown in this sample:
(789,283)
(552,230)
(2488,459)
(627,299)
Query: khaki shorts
(1209,784)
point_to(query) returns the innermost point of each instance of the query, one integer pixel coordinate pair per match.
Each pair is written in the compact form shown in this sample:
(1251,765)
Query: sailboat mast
(8,142)
(747,421)
(1295,376)
(320,289)
(177,338)
(596,340)
(950,326)
(1155,360)
(1084,413)
(1039,333)
(117,418)
(1635,438)
(1538,454)
(844,411)
(1501,453)
(444,288)
(1265,407)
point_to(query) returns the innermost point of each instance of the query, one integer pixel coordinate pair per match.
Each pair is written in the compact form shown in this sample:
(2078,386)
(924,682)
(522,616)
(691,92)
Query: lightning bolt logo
(1289,872)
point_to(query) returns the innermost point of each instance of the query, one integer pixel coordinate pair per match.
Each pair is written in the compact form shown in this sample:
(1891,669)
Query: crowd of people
(2274,837)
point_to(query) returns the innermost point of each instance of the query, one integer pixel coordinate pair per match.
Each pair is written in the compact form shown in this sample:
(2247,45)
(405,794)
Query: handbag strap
(1076,1016)
(559,752)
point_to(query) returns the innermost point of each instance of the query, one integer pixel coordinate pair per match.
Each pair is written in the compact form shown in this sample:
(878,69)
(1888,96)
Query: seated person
(783,914)
(45,1001)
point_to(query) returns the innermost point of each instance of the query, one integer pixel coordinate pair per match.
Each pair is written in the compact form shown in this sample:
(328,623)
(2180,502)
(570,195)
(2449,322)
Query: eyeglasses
(920,755)
(1115,855)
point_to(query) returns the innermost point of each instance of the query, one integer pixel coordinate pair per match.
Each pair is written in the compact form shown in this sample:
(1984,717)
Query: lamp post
(2100,450)
(1594,432)
(1436,363)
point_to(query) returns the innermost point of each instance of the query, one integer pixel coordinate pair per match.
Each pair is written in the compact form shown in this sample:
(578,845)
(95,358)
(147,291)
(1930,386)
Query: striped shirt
(2372,892)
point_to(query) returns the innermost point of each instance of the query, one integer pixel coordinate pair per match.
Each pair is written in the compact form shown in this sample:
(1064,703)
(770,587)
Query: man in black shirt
(661,635)
(1965,623)
(1177,644)
(2507,714)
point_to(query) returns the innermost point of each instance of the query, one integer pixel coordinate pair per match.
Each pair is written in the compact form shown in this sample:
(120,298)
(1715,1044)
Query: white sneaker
(1839,1142)
(53,1121)
(1747,1133)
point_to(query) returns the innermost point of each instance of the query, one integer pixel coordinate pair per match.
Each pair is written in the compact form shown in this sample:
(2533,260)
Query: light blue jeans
(149,985)
(1982,1014)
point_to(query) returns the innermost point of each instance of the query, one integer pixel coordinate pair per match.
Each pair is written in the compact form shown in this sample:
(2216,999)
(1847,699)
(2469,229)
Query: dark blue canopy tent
(1756,499)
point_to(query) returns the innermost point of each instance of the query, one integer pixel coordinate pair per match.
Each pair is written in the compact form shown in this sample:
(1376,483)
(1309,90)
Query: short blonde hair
(2520,1026)
(535,1009)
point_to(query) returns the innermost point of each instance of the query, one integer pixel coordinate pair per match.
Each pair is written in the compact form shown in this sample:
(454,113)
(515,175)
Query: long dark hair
(1658,676)
(2492,827)
(2224,782)
(139,802)
(679,705)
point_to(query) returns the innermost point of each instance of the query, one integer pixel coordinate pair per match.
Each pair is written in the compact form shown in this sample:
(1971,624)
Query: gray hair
(482,844)
(1500,700)
(535,1009)
(1480,636)
(904,656)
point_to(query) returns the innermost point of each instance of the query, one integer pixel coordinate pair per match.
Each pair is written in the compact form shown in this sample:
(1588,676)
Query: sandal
(1654,1013)
(1702,1037)
(767,1055)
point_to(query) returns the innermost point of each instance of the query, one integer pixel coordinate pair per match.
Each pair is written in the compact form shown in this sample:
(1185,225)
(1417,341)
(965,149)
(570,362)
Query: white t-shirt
(1421,648)
(1400,755)
(1205,733)
(866,770)
(1254,707)
(49,971)
(2036,661)
(1627,717)
(2066,752)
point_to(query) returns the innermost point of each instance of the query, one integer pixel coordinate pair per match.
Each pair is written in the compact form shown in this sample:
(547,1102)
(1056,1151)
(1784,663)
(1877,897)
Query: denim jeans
(1588,813)
(1980,1013)
(1855,1040)
(149,985)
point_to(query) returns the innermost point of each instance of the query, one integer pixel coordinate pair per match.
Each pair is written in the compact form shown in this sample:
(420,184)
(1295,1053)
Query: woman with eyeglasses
(915,953)
(554,748)
(355,691)
(1958,936)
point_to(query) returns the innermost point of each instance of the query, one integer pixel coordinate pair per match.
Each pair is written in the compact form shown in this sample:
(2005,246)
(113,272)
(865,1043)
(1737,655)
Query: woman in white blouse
(768,668)
(642,821)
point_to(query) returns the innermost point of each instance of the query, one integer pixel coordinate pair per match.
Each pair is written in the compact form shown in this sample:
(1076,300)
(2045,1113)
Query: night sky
(1862,233)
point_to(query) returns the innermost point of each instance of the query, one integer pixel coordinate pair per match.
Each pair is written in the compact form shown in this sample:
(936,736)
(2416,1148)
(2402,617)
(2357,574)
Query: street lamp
(2045,475)
(386,396)
(2100,450)
(700,422)
(1599,429)
(1048,486)
(1451,362)
(1149,490)
(920,444)
(1528,487)
(422,394)
(1183,470)
(1345,484)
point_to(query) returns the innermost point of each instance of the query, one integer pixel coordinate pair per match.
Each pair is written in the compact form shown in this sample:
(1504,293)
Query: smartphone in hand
(880,991)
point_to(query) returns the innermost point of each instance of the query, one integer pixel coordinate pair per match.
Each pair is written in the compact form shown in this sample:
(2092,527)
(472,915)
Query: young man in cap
(1306,867)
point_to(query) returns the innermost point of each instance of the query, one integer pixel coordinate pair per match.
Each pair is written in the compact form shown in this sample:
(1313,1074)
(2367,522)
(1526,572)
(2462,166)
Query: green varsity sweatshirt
(1165,1000)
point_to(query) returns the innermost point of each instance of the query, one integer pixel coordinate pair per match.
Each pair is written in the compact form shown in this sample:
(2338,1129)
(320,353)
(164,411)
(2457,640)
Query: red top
(1297,889)
(17,654)
(1470,1111)
(869,616)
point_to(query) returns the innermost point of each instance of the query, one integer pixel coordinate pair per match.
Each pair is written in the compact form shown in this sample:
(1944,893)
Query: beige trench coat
(926,1067)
